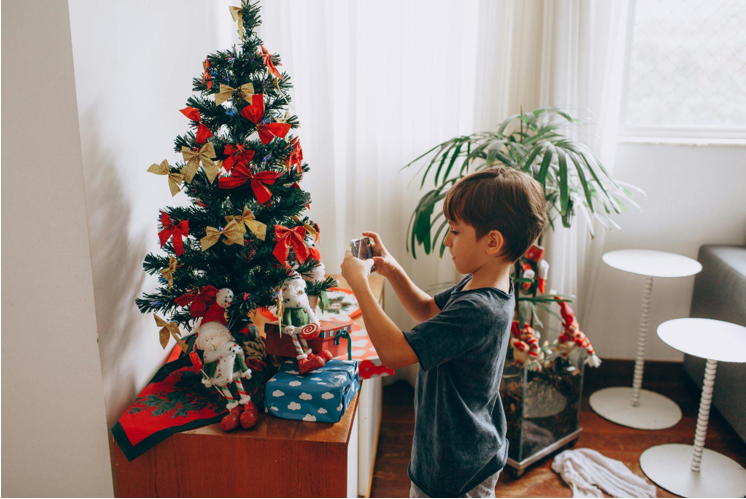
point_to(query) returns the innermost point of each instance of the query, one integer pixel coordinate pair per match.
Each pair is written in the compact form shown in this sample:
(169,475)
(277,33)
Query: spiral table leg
(704,414)
(641,340)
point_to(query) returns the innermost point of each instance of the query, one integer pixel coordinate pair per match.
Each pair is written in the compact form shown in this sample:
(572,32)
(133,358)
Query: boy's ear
(495,242)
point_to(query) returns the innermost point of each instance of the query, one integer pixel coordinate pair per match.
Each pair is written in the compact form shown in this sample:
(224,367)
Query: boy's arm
(392,347)
(419,304)
(389,341)
(416,302)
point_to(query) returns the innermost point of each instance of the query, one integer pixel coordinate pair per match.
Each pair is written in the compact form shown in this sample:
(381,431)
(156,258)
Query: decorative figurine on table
(299,321)
(224,363)
(526,350)
(572,337)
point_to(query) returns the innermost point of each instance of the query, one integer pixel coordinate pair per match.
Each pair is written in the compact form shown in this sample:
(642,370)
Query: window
(686,69)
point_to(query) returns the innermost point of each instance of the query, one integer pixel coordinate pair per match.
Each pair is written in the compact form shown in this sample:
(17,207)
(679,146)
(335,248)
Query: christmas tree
(240,166)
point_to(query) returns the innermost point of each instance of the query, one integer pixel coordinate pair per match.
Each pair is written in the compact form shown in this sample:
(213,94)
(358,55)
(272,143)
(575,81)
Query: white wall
(695,195)
(54,429)
(134,64)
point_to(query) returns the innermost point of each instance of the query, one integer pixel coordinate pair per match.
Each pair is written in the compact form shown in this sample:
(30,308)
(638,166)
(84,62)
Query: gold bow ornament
(168,272)
(172,329)
(233,235)
(193,159)
(309,228)
(247,218)
(237,15)
(226,92)
(174,179)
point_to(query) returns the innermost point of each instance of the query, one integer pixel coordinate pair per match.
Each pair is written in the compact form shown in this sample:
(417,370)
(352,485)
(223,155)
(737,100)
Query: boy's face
(468,253)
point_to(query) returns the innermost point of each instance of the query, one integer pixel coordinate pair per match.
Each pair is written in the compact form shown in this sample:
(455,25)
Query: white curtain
(378,83)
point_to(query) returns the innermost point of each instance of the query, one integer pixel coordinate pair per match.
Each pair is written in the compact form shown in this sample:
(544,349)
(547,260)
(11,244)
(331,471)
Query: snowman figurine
(224,363)
(301,324)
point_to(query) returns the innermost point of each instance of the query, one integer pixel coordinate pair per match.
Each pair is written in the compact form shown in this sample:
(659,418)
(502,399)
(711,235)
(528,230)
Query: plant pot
(542,408)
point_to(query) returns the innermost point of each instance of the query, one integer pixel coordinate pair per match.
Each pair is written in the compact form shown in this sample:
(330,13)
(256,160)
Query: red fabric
(191,113)
(254,112)
(238,154)
(285,238)
(178,231)
(296,157)
(215,313)
(206,74)
(240,175)
(271,130)
(200,301)
(203,133)
(267,57)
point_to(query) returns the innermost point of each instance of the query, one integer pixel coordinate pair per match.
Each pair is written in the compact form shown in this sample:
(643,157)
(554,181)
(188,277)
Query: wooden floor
(614,441)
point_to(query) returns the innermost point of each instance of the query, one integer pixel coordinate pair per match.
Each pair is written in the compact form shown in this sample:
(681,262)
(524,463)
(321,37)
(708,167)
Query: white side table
(692,470)
(635,407)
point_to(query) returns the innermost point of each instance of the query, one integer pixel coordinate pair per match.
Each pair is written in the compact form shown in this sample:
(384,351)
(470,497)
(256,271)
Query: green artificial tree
(241,166)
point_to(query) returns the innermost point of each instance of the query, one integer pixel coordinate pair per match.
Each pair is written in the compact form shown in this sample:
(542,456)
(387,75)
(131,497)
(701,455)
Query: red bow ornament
(178,231)
(254,112)
(199,301)
(203,133)
(238,154)
(285,238)
(267,58)
(206,75)
(296,157)
(240,175)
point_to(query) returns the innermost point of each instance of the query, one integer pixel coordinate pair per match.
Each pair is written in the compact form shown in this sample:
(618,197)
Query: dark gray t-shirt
(460,430)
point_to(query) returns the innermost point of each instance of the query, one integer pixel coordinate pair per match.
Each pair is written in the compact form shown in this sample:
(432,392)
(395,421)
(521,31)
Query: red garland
(238,154)
(178,231)
(203,133)
(254,112)
(240,175)
(267,58)
(285,238)
(199,301)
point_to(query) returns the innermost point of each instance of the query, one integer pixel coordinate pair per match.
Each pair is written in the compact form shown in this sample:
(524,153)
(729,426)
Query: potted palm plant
(542,383)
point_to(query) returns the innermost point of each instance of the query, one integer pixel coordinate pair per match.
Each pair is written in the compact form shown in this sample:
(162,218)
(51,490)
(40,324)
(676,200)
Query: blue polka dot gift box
(322,395)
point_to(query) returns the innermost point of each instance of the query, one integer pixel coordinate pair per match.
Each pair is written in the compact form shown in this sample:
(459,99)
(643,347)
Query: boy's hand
(355,271)
(386,265)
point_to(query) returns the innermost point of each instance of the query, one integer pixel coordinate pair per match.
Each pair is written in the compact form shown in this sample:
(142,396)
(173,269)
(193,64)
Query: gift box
(282,344)
(322,395)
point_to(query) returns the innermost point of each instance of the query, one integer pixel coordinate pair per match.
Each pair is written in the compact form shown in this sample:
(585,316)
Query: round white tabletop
(706,338)
(652,263)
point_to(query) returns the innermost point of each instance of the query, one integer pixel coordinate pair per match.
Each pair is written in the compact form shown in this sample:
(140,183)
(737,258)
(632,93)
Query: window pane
(687,67)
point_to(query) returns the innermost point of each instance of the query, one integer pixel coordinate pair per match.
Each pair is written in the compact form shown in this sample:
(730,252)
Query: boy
(460,444)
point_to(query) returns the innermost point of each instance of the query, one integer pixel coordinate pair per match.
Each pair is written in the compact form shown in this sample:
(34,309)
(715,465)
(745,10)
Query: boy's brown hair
(502,199)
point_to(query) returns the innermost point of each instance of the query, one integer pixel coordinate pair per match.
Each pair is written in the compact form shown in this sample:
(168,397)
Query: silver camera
(361,249)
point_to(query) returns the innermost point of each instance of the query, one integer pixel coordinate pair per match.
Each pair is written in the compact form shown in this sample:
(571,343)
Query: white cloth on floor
(586,471)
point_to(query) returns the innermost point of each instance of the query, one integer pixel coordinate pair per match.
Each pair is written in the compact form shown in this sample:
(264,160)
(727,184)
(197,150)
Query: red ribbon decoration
(203,133)
(206,74)
(238,154)
(296,157)
(240,175)
(254,112)
(267,58)
(285,238)
(271,130)
(176,230)
(199,301)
